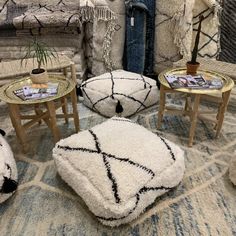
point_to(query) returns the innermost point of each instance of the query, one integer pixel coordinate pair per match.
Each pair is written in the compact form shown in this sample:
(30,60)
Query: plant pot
(39,76)
(192,68)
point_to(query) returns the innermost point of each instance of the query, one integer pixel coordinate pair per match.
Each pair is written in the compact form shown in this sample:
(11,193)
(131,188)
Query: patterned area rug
(203,204)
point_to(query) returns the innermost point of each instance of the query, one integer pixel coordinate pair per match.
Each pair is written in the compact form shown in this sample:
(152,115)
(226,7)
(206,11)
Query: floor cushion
(119,92)
(119,168)
(8,171)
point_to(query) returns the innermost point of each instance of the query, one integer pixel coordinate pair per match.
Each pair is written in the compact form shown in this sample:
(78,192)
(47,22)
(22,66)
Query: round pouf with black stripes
(8,170)
(119,168)
(120,93)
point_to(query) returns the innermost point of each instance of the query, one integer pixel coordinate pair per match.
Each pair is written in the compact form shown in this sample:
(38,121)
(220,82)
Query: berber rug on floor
(203,204)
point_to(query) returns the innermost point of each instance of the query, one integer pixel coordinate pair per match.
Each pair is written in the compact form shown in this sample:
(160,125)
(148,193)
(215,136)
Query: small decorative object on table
(42,53)
(193,65)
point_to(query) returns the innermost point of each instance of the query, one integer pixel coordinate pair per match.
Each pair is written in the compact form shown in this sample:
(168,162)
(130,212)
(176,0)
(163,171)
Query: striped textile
(228,32)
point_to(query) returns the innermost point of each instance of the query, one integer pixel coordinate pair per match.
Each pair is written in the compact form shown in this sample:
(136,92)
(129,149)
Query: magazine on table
(193,81)
(33,92)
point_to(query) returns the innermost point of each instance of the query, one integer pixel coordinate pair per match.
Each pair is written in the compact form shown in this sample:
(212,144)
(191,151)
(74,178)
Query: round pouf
(119,168)
(119,92)
(8,170)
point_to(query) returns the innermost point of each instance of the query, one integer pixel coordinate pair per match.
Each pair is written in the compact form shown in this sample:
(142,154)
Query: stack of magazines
(194,82)
(33,92)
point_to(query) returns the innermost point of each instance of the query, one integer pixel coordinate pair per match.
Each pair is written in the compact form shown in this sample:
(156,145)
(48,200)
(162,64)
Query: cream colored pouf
(119,168)
(119,92)
(8,170)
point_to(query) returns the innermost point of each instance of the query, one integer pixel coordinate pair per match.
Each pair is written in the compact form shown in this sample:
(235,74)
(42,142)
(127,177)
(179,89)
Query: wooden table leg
(75,110)
(193,117)
(53,121)
(221,111)
(37,111)
(64,108)
(65,72)
(162,103)
(73,73)
(188,105)
(14,111)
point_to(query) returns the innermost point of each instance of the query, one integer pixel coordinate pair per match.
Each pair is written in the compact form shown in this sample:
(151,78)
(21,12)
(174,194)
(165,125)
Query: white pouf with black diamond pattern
(119,168)
(119,92)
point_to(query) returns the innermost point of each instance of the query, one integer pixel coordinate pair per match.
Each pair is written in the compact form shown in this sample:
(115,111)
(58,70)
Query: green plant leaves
(40,52)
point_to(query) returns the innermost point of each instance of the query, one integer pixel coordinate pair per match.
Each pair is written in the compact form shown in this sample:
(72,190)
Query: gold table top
(228,83)
(7,95)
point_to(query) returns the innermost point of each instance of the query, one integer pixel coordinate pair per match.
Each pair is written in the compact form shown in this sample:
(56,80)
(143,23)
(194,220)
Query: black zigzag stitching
(40,24)
(146,189)
(85,83)
(108,168)
(89,100)
(127,96)
(202,12)
(205,17)
(96,140)
(122,217)
(132,98)
(94,104)
(144,99)
(67,148)
(168,147)
(149,171)
(112,179)
(145,86)
(141,191)
(105,157)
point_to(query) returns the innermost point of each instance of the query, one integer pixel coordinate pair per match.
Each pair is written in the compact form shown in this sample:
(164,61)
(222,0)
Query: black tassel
(2,132)
(79,91)
(9,185)
(119,108)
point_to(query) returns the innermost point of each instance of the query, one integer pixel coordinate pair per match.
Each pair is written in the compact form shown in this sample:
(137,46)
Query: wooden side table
(66,87)
(192,110)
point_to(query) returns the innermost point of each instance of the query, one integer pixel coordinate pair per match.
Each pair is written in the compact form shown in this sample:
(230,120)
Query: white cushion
(8,170)
(119,168)
(112,92)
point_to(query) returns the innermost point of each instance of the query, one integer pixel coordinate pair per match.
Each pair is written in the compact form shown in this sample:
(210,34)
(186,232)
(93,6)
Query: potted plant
(193,65)
(42,53)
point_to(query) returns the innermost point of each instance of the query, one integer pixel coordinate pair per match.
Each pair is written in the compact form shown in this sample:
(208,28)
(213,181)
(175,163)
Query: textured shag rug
(203,204)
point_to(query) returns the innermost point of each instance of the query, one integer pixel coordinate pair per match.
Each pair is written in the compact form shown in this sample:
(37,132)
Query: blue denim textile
(139,43)
(150,37)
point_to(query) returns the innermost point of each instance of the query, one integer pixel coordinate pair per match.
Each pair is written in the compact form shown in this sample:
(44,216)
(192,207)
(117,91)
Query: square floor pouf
(119,168)
(119,92)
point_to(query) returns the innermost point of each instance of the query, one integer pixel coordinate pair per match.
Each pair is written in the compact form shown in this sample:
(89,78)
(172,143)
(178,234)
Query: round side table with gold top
(217,95)
(66,87)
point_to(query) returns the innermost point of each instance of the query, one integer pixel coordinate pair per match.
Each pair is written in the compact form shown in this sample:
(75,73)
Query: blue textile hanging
(140,31)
